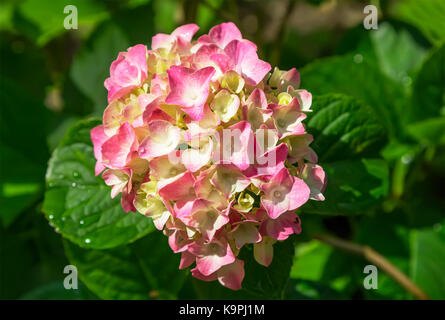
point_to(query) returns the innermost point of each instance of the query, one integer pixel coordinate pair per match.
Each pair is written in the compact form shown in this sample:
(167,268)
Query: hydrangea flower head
(200,136)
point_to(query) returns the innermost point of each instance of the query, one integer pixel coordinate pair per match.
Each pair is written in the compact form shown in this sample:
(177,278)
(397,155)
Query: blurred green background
(50,78)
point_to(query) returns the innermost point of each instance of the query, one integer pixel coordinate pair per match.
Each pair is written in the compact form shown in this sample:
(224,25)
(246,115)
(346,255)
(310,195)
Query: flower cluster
(204,139)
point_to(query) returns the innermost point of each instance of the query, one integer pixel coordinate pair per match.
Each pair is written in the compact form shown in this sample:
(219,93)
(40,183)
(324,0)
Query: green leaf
(79,204)
(110,274)
(59,132)
(48,16)
(428,98)
(355,76)
(146,269)
(56,291)
(430,131)
(394,150)
(310,260)
(427,15)
(343,128)
(354,187)
(428,260)
(397,52)
(160,264)
(318,265)
(91,64)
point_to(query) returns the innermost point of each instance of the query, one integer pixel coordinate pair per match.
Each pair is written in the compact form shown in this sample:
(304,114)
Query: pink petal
(162,168)
(127,72)
(208,220)
(299,148)
(282,227)
(98,137)
(127,199)
(205,189)
(160,221)
(232,275)
(292,78)
(198,275)
(255,70)
(212,256)
(117,179)
(223,61)
(162,139)
(305,99)
(137,56)
(202,58)
(288,118)
(189,89)
(150,105)
(316,179)
(195,159)
(186,31)
(246,232)
(277,193)
(178,242)
(245,59)
(270,163)
(275,209)
(229,180)
(118,149)
(263,251)
(237,145)
(186,260)
(112,117)
(222,34)
(299,194)
(257,99)
(159,40)
(180,187)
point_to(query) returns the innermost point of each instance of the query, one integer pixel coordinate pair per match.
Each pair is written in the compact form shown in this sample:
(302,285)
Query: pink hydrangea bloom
(200,137)
(127,72)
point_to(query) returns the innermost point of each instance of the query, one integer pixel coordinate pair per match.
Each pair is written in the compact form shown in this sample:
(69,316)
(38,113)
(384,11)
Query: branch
(377,259)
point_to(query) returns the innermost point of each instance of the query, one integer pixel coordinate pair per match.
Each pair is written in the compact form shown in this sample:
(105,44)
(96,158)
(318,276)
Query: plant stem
(377,259)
